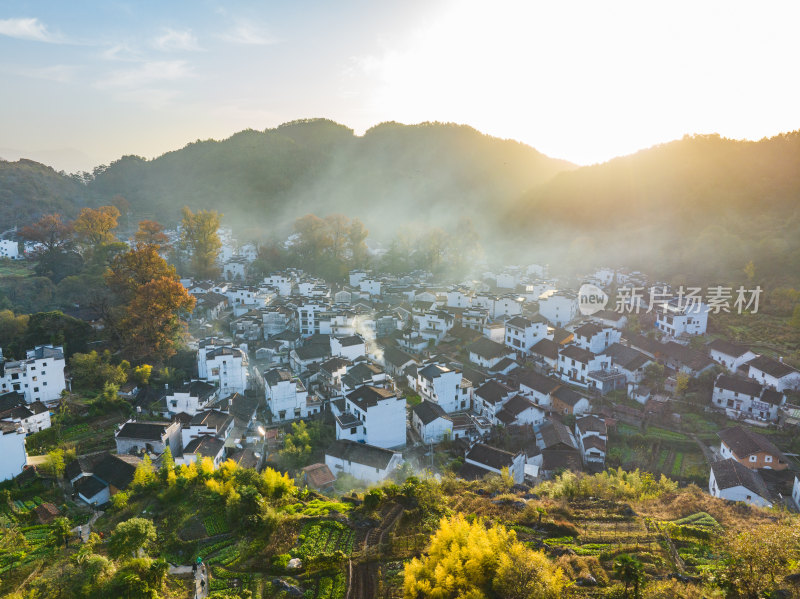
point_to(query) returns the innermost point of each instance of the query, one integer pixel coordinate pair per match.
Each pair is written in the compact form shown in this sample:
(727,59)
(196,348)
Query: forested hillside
(703,205)
(392,173)
(29,189)
(694,208)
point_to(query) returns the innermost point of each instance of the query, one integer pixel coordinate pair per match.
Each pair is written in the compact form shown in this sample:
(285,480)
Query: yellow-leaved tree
(469,559)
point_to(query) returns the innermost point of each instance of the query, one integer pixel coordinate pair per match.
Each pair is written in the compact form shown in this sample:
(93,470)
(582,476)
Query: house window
(753,458)
(354,430)
(768,459)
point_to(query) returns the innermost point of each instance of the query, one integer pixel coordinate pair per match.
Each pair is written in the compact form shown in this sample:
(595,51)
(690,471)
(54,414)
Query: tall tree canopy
(93,226)
(199,235)
(147,320)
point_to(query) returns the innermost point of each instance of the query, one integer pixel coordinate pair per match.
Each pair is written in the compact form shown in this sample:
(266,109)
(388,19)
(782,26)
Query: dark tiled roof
(626,357)
(556,434)
(744,442)
(117,470)
(579,354)
(245,458)
(567,396)
(490,456)
(493,391)
(771,367)
(533,380)
(432,371)
(588,330)
(89,486)
(149,431)
(204,445)
(313,351)
(277,375)
(546,348)
(561,460)
(334,364)
(687,356)
(360,453)
(519,322)
(728,348)
(738,385)
(730,473)
(369,396)
(318,476)
(428,411)
(472,472)
(396,357)
(591,423)
(215,419)
(350,341)
(488,349)
(594,442)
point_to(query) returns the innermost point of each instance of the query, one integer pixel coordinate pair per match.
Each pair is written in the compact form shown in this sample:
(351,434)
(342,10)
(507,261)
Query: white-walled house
(362,461)
(629,361)
(559,308)
(534,385)
(209,423)
(592,436)
(431,422)
(731,481)
(373,415)
(596,337)
(677,318)
(773,373)
(444,386)
(190,398)
(487,353)
(12,448)
(490,398)
(136,436)
(286,396)
(745,398)
(730,355)
(518,411)
(32,417)
(522,334)
(493,460)
(222,364)
(575,364)
(350,347)
(39,377)
(9,249)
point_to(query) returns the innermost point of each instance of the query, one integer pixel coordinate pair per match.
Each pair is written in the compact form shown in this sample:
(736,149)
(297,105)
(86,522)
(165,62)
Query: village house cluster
(503,374)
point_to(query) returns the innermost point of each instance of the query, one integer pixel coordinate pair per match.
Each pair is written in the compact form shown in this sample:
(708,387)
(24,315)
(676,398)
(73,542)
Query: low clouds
(30,29)
(248,34)
(173,39)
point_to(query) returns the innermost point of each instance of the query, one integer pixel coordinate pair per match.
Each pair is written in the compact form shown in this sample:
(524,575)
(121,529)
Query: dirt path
(363,574)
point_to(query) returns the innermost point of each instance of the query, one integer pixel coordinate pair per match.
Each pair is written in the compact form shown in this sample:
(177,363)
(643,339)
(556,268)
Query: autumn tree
(54,239)
(469,559)
(199,236)
(151,233)
(153,319)
(151,303)
(758,558)
(129,271)
(93,226)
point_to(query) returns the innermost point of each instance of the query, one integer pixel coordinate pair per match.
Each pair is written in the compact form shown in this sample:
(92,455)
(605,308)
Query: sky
(84,83)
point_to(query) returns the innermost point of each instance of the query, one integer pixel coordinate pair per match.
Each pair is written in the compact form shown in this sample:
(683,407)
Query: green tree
(199,235)
(297,445)
(144,476)
(54,463)
(62,531)
(630,572)
(167,466)
(131,536)
(795,320)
